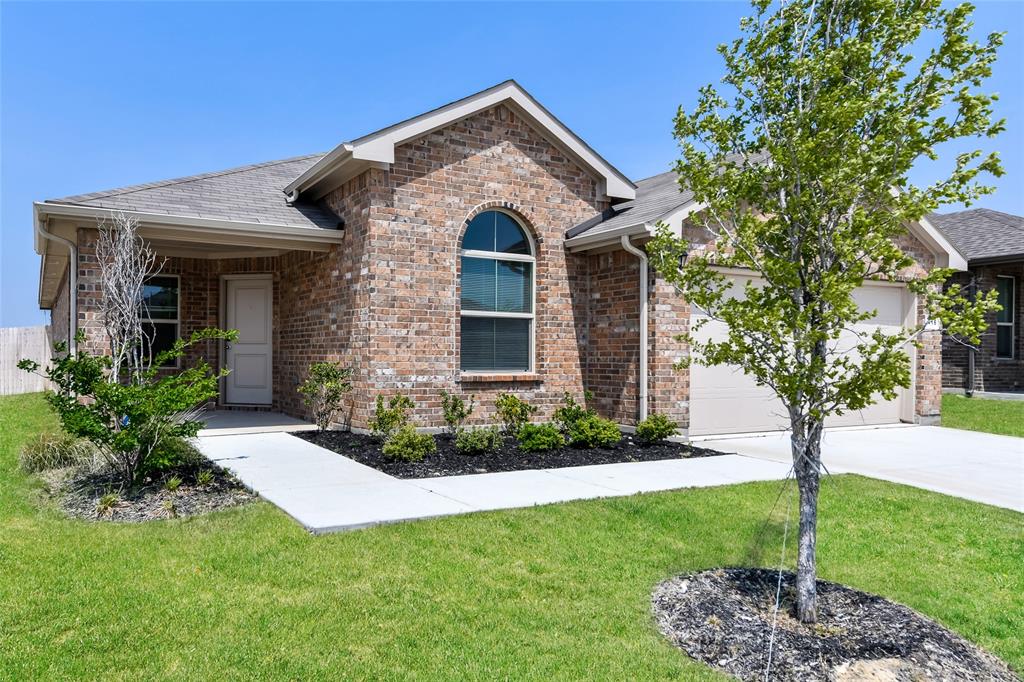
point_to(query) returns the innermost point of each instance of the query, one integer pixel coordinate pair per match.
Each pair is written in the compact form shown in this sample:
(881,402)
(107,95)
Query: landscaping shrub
(513,413)
(129,422)
(476,441)
(386,421)
(204,478)
(54,451)
(172,484)
(406,444)
(456,411)
(172,453)
(656,428)
(539,437)
(593,432)
(105,505)
(571,411)
(324,389)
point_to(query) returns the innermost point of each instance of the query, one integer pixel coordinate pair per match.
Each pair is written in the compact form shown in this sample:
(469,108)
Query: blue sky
(96,96)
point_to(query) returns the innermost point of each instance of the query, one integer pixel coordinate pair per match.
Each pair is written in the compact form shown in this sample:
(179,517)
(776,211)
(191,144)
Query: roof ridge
(129,189)
(999,218)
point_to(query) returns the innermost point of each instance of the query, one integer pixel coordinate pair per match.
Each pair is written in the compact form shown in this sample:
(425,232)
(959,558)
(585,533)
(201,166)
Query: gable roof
(660,199)
(350,158)
(983,235)
(247,194)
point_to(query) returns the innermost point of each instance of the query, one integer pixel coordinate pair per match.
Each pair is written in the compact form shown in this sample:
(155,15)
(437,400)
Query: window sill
(511,377)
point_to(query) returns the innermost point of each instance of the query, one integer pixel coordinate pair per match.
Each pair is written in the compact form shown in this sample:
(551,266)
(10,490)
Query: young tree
(803,175)
(125,262)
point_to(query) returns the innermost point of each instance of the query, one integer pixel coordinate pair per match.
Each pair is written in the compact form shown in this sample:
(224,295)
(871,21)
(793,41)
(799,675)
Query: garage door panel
(724,400)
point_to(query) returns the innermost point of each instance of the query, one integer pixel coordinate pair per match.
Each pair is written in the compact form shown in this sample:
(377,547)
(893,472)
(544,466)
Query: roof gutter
(207,225)
(43,234)
(642,380)
(587,241)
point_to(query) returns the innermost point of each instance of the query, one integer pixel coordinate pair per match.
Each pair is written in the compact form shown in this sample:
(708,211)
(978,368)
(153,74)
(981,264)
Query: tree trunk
(807,468)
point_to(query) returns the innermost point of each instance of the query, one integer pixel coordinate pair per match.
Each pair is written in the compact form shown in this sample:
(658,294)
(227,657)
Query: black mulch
(447,462)
(78,492)
(724,618)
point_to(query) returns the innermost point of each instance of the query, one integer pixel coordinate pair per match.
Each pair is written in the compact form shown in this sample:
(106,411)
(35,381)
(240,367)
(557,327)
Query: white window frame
(1012,324)
(531,316)
(177,316)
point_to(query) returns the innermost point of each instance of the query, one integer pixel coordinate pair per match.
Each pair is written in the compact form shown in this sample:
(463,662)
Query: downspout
(72,280)
(642,381)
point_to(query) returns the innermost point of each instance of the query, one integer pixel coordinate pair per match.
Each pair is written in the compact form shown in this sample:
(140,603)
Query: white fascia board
(318,170)
(941,246)
(587,241)
(380,146)
(210,225)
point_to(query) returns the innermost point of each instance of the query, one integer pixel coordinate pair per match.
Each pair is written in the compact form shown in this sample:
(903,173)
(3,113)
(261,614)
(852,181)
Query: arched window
(497,295)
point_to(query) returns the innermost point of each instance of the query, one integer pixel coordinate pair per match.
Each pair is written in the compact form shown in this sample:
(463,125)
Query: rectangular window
(495,344)
(160,314)
(1006,318)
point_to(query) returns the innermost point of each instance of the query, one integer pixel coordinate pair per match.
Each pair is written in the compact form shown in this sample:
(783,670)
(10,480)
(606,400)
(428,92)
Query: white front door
(249,302)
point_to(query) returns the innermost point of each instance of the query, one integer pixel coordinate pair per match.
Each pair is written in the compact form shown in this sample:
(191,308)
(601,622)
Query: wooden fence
(17,343)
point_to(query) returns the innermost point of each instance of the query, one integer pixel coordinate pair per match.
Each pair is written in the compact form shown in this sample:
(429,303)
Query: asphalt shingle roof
(655,196)
(252,194)
(982,233)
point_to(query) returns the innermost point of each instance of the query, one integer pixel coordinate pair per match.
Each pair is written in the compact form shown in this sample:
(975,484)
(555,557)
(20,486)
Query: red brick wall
(990,373)
(416,216)
(613,347)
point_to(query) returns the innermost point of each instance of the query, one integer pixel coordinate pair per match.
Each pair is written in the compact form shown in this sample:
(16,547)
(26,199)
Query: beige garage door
(724,400)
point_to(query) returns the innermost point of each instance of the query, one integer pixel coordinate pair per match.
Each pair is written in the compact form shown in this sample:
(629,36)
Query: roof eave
(996,260)
(211,226)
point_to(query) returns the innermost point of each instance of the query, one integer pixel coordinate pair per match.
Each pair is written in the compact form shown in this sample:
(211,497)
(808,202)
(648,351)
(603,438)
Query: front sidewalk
(327,492)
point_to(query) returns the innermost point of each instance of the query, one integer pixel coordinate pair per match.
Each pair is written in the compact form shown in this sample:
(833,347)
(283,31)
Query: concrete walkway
(327,492)
(976,466)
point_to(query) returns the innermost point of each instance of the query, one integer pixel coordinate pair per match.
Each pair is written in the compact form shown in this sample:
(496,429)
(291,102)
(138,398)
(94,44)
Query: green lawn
(979,414)
(559,592)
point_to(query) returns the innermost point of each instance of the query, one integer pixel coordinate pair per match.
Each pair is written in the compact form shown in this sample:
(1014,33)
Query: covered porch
(226,422)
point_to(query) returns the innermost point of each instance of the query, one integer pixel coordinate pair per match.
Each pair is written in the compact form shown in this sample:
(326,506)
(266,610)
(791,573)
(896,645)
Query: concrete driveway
(976,466)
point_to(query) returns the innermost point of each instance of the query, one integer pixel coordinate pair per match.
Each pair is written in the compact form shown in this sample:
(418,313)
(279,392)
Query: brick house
(479,248)
(993,243)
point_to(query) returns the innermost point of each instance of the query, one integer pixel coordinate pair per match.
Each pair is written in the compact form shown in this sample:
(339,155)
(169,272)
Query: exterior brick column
(668,387)
(928,374)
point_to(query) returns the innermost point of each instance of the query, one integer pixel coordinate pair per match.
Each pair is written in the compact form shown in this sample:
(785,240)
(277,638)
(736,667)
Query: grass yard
(1005,417)
(558,592)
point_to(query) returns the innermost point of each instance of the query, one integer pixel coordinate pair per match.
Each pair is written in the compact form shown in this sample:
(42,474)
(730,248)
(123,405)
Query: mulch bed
(724,618)
(78,491)
(448,462)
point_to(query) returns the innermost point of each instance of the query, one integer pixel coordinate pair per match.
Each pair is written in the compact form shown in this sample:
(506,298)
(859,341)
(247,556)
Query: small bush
(55,451)
(406,444)
(204,478)
(593,432)
(324,389)
(387,420)
(513,413)
(172,484)
(170,508)
(456,411)
(172,453)
(477,441)
(571,411)
(655,429)
(540,438)
(107,502)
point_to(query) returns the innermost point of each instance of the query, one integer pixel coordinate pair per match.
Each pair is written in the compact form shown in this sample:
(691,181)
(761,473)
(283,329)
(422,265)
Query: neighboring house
(479,248)
(993,244)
